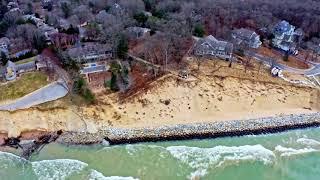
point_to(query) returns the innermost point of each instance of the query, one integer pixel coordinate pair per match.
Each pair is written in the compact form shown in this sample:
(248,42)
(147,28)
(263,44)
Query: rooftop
(93,69)
(283,27)
(217,44)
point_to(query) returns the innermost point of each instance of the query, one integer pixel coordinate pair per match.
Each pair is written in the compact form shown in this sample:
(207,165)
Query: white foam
(201,159)
(95,175)
(135,148)
(105,143)
(132,149)
(284,151)
(57,169)
(308,142)
(10,159)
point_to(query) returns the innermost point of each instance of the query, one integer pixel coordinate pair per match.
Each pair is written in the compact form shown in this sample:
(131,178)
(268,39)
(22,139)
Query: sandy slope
(214,99)
(218,95)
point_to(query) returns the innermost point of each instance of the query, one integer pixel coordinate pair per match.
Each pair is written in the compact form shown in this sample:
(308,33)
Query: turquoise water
(293,155)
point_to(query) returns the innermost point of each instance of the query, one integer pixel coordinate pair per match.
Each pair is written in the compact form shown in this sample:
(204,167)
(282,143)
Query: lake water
(293,155)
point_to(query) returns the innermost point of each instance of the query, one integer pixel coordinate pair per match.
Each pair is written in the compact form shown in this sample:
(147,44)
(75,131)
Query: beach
(215,95)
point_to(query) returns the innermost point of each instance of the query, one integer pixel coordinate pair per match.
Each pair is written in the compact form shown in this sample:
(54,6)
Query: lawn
(25,84)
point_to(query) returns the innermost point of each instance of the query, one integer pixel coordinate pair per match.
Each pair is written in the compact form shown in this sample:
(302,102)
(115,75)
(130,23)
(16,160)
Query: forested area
(174,16)
(176,20)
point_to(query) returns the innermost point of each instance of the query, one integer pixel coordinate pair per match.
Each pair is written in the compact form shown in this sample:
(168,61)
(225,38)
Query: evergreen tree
(122,48)
(113,82)
(141,18)
(198,31)
(4,58)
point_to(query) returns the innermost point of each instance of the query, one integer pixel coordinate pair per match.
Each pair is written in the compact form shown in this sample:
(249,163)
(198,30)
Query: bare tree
(83,13)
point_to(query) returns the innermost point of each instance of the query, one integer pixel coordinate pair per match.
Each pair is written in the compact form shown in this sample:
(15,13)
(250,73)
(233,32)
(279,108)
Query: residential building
(64,24)
(210,46)
(90,52)
(4,45)
(13,5)
(137,32)
(47,4)
(286,36)
(12,69)
(25,67)
(246,38)
(42,26)
(96,74)
(48,31)
(39,22)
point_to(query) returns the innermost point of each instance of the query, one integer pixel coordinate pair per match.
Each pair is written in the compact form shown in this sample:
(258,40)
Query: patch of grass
(25,84)
(64,103)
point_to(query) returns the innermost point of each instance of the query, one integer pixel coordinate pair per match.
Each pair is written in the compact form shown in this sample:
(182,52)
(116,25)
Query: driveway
(51,92)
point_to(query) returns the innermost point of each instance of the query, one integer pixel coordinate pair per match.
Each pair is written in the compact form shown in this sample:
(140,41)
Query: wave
(201,159)
(95,175)
(57,169)
(308,142)
(284,151)
(9,159)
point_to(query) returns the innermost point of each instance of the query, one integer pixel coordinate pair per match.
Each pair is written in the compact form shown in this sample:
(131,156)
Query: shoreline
(118,136)
(266,125)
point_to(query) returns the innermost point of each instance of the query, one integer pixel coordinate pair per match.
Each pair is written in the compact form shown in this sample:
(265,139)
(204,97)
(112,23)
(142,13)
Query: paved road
(313,71)
(48,93)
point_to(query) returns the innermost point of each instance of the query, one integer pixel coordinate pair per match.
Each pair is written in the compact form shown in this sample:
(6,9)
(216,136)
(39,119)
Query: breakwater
(194,131)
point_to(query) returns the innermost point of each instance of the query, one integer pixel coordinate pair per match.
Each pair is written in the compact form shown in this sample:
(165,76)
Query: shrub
(198,31)
(122,48)
(80,88)
(88,96)
(286,57)
(141,18)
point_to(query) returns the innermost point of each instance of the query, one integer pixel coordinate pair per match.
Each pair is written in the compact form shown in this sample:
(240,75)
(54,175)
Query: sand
(214,95)
(214,100)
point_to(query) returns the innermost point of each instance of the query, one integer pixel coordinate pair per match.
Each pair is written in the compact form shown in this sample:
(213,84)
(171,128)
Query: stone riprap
(191,131)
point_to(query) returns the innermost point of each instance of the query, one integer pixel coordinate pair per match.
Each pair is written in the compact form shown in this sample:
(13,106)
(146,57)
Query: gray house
(246,37)
(137,32)
(4,45)
(286,36)
(210,46)
(90,52)
(12,70)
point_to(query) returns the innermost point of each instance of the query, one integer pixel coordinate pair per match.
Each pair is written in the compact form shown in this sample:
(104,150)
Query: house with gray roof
(210,46)
(93,68)
(4,45)
(137,32)
(286,36)
(246,37)
(10,71)
(96,74)
(90,52)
